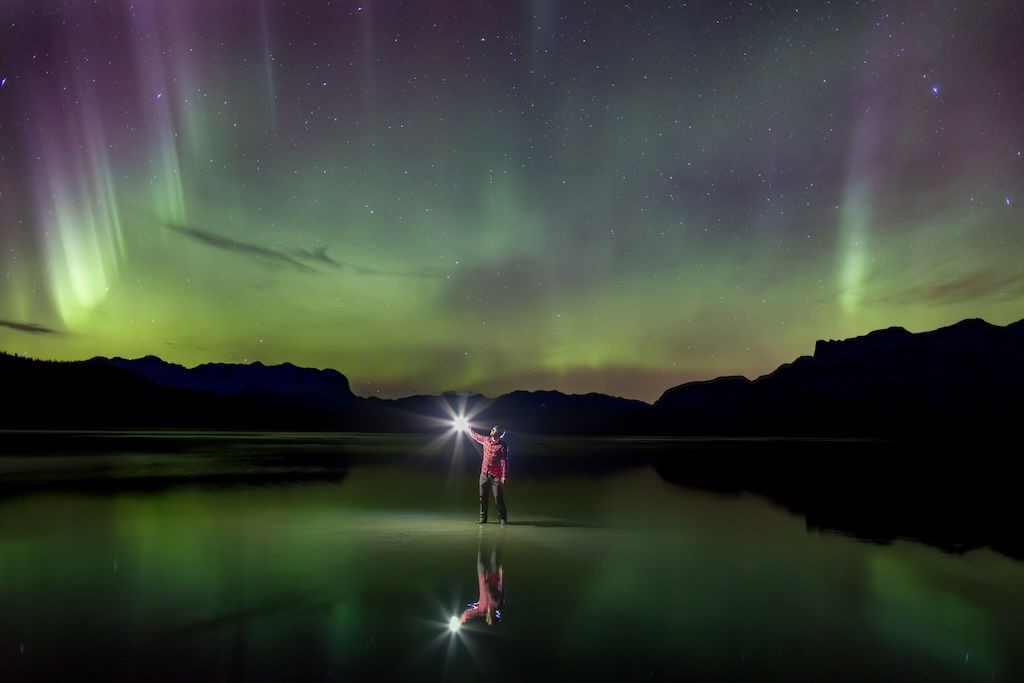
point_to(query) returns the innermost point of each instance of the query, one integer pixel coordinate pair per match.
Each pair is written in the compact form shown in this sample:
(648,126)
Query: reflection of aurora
(362,577)
(917,613)
(724,187)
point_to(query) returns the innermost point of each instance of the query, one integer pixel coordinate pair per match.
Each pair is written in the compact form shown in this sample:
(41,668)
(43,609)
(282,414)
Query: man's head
(497,431)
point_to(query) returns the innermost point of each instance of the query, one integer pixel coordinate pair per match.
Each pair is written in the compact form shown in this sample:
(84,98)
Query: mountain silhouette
(958,381)
(277,385)
(963,380)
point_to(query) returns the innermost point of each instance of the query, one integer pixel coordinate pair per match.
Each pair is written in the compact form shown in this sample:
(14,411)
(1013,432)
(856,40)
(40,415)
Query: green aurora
(537,195)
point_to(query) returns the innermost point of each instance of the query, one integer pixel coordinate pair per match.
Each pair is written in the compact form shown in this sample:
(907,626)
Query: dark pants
(494,484)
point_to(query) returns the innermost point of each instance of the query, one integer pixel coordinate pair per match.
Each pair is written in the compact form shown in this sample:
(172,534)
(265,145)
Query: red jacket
(495,461)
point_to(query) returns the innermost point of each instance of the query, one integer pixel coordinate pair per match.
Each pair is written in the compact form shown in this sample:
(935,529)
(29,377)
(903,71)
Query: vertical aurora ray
(856,212)
(155,55)
(854,233)
(268,64)
(84,239)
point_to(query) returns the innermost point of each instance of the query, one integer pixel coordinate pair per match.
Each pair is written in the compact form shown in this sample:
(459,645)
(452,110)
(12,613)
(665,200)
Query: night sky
(489,196)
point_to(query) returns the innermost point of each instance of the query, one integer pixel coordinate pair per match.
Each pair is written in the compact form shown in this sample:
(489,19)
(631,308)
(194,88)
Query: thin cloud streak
(226,244)
(31,328)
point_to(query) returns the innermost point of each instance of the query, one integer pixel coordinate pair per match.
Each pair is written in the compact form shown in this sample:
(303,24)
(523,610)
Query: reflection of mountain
(962,380)
(956,497)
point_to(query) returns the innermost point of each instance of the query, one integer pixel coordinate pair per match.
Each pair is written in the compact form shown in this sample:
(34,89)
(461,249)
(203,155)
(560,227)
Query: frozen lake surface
(177,557)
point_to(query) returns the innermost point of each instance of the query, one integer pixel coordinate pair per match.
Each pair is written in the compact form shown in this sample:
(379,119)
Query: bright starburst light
(457,416)
(452,419)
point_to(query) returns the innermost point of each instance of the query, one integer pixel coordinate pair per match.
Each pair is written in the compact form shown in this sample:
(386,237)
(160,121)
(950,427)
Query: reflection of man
(491,578)
(492,471)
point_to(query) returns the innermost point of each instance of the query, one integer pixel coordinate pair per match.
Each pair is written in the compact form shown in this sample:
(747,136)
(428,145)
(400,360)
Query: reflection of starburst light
(454,637)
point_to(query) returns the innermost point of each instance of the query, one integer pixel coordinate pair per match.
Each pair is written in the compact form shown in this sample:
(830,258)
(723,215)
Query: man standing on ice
(493,470)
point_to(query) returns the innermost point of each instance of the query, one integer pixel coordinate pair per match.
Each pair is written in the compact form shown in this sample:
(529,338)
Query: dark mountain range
(275,385)
(96,394)
(963,380)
